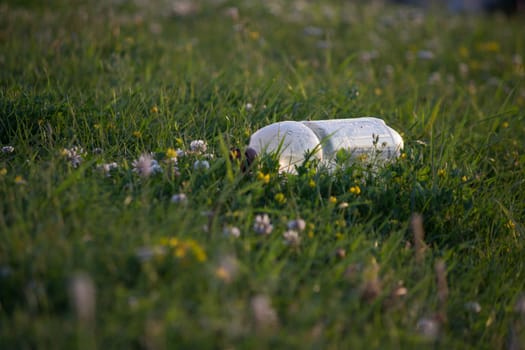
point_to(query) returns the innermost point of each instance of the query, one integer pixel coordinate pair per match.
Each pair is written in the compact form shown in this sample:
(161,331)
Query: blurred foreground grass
(90,260)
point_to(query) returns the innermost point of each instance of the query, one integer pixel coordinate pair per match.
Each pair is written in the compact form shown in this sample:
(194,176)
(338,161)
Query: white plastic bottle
(323,138)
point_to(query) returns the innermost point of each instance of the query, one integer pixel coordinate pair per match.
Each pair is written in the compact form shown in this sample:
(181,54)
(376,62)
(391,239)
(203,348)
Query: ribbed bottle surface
(292,140)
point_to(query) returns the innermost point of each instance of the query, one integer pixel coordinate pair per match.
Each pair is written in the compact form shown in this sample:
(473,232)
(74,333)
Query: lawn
(125,222)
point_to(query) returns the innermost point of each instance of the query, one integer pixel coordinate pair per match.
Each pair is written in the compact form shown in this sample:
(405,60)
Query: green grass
(129,78)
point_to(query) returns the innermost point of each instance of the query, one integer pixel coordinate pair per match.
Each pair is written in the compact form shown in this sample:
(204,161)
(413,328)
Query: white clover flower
(298,224)
(198,146)
(367,56)
(180,153)
(201,164)
(179,198)
(264,314)
(263,225)
(155,167)
(146,165)
(473,306)
(232,231)
(248,106)
(74,155)
(434,78)
(428,327)
(425,55)
(232,13)
(107,168)
(8,149)
(313,31)
(292,237)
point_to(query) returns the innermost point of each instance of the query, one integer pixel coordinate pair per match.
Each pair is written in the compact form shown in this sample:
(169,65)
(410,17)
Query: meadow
(125,222)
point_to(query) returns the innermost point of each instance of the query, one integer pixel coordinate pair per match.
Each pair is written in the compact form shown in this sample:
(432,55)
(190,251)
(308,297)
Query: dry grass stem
(442,289)
(420,246)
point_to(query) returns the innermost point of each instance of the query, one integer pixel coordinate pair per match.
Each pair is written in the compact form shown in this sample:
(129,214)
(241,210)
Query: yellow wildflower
(173,242)
(154,109)
(137,134)
(489,46)
(254,35)
(280,198)
(183,247)
(505,125)
(510,225)
(464,178)
(378,91)
(441,172)
(311,183)
(3,171)
(180,252)
(171,153)
(474,65)
(332,200)
(222,274)
(355,190)
(19,180)
(463,52)
(198,252)
(265,178)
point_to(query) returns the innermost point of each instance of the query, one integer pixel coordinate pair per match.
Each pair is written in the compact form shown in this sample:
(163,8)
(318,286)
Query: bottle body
(322,139)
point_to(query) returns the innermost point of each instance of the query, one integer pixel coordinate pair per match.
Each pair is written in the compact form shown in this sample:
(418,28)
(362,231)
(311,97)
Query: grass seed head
(371,286)
(442,289)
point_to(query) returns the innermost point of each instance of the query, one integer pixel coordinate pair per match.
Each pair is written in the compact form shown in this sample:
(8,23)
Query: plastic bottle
(324,138)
